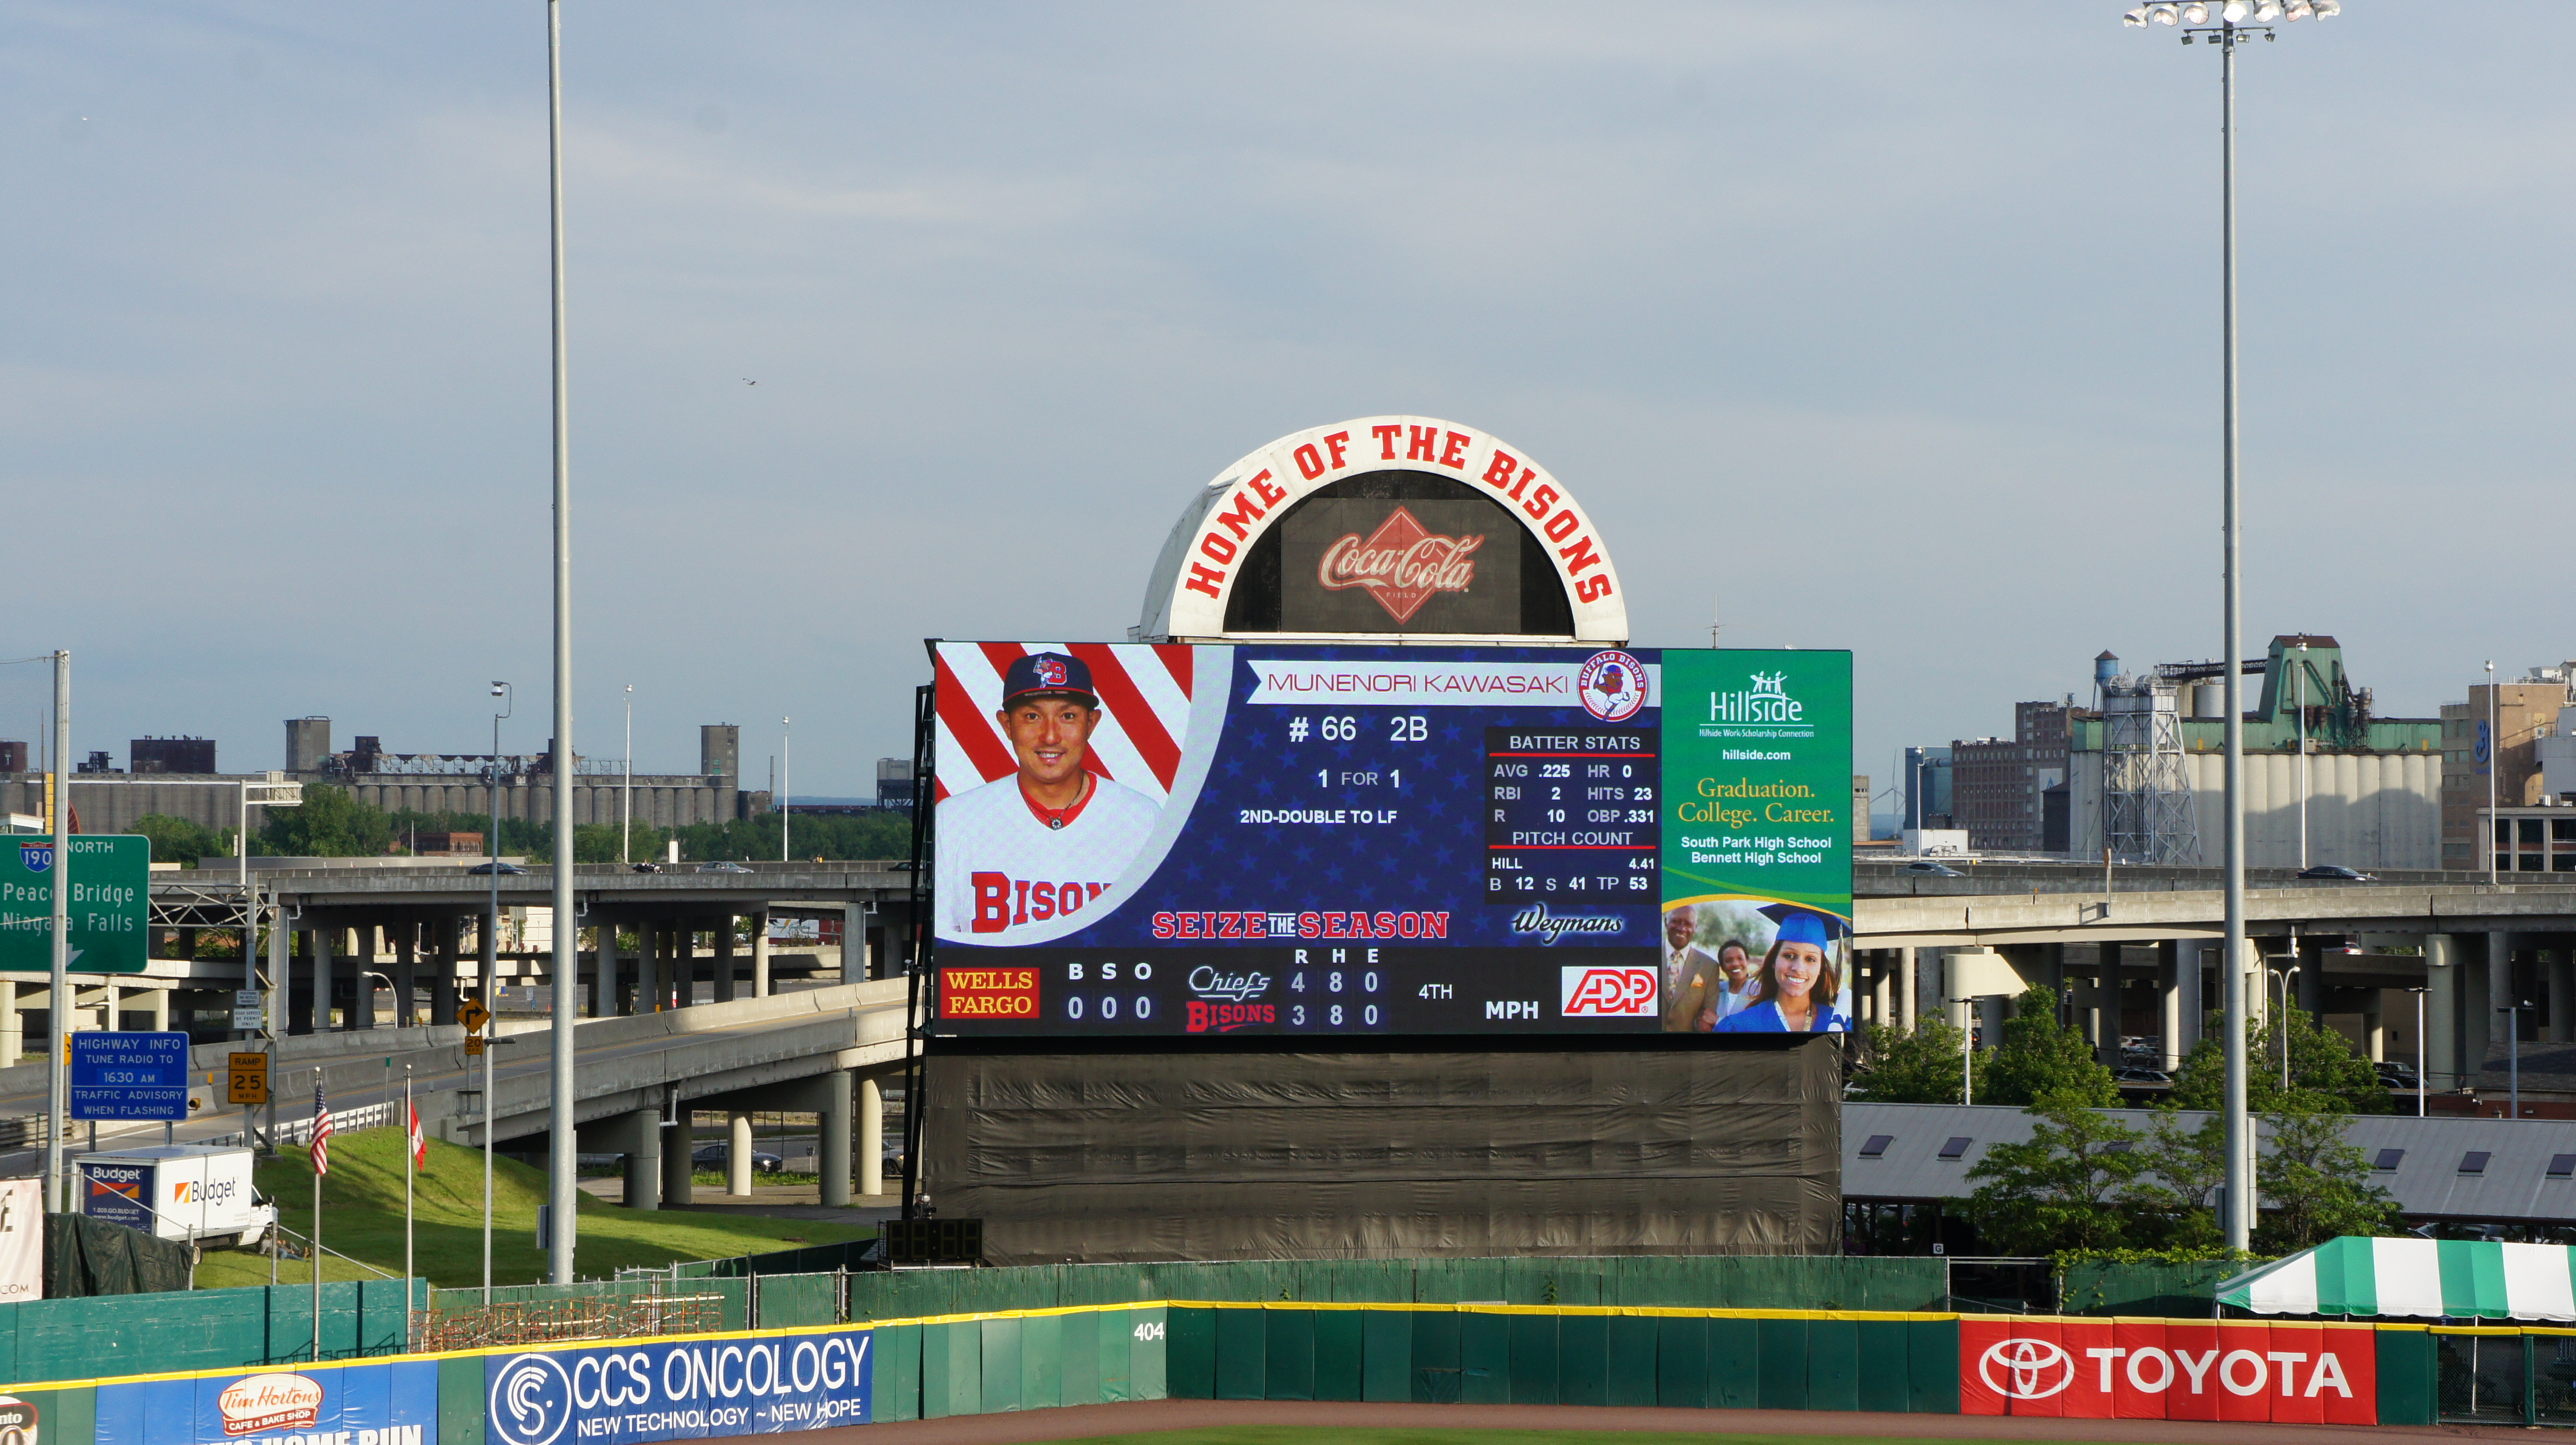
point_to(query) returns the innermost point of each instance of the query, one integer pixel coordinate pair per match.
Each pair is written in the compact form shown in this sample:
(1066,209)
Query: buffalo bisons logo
(1400,564)
(1051,671)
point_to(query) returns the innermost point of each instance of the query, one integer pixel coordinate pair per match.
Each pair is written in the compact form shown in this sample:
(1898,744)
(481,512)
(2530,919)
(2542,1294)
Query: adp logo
(1605,993)
(531,1401)
(2026,1369)
(37,857)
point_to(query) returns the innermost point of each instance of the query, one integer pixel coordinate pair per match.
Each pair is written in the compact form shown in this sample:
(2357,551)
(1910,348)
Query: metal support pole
(58,1003)
(2239,1223)
(562,1192)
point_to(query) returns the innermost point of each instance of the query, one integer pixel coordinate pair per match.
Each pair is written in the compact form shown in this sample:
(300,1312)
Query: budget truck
(195,1193)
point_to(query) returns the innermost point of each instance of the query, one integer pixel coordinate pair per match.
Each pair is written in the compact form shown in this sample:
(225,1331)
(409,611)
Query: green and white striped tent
(2413,1278)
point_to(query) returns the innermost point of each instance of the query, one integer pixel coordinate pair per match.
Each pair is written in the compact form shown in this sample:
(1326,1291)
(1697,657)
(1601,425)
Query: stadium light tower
(2235,23)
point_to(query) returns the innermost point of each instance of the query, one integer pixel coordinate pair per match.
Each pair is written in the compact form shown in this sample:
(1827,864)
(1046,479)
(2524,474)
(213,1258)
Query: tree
(2323,1066)
(331,823)
(177,840)
(2065,1188)
(2316,1181)
(2044,1063)
(2186,1170)
(1917,1068)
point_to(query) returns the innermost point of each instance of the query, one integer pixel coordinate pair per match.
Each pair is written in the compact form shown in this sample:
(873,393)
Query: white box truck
(195,1193)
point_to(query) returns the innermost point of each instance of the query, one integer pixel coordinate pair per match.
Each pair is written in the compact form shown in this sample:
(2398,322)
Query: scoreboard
(1329,840)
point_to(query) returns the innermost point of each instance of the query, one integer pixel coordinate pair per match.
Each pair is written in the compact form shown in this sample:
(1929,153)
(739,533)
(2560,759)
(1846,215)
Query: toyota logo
(2031,1369)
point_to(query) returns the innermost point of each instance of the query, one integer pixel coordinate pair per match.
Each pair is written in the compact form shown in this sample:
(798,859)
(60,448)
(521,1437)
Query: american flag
(321,1131)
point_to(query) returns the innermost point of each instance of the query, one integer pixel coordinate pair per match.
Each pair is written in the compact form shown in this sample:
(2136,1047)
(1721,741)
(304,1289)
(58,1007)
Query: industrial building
(2526,717)
(109,801)
(1999,788)
(2147,770)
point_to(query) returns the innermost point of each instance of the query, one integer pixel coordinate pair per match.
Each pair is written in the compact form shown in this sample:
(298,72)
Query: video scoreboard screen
(1334,840)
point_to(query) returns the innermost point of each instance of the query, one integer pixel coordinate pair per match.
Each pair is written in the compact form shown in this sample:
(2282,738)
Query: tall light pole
(2299,705)
(786,735)
(58,1000)
(2494,760)
(561,1161)
(2419,1048)
(2230,32)
(492,915)
(626,809)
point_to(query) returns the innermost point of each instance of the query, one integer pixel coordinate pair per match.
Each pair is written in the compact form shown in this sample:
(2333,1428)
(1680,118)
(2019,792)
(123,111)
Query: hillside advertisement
(1323,839)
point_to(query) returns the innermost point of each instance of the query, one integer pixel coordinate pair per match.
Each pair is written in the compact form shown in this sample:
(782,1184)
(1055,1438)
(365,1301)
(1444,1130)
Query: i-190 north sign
(111,881)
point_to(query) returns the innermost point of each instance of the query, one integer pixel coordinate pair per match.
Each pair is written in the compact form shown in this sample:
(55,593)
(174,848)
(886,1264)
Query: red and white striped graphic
(1144,696)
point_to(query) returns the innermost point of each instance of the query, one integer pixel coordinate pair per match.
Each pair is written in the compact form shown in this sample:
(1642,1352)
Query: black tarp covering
(1238,1154)
(85,1256)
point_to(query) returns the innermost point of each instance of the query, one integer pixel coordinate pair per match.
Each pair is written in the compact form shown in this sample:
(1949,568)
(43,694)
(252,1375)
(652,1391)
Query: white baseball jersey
(1002,868)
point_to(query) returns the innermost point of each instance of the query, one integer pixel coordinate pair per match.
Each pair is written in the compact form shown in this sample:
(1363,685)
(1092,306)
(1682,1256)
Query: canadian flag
(419,1141)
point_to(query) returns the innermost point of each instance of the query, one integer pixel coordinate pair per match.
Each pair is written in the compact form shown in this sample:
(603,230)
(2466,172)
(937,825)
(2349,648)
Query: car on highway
(481,869)
(645,867)
(720,1156)
(2139,1078)
(2336,873)
(1931,869)
(722,866)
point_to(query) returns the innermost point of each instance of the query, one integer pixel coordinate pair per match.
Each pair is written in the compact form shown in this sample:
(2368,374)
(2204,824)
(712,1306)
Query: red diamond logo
(1401,564)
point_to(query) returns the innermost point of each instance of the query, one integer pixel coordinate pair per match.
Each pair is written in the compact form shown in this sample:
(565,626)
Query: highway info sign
(111,881)
(129,1076)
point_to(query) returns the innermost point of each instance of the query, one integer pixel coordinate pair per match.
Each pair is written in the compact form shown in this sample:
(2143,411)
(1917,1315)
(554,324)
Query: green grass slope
(362,1215)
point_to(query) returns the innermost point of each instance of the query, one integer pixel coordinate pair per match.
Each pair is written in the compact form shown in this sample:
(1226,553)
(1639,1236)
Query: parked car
(722,866)
(2336,873)
(482,869)
(2138,1078)
(2396,1075)
(1932,869)
(720,1156)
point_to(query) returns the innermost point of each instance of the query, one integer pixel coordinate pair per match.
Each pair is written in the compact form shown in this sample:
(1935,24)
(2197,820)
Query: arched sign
(1388,527)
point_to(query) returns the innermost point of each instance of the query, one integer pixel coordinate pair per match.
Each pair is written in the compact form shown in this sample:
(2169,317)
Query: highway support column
(834,1126)
(644,1159)
(603,977)
(871,1142)
(760,954)
(2442,990)
(677,1145)
(724,958)
(738,1154)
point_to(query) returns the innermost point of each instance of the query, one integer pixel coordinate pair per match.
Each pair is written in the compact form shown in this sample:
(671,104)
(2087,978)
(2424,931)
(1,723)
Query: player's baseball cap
(1048,672)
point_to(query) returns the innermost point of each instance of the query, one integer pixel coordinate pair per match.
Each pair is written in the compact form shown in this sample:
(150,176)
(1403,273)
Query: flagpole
(411,1144)
(318,1172)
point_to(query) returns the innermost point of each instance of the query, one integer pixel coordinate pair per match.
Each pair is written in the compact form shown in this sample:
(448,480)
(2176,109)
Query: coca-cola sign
(1401,564)
(1425,564)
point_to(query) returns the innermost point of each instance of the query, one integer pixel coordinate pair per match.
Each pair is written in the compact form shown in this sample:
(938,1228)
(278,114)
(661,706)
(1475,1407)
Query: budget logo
(36,857)
(2025,1369)
(1606,993)
(531,1401)
(262,1403)
(1612,685)
(988,993)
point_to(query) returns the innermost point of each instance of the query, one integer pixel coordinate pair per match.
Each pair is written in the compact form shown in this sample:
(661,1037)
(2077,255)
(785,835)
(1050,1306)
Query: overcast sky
(1895,325)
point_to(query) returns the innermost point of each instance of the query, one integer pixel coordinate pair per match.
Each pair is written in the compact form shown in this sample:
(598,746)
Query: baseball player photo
(1048,840)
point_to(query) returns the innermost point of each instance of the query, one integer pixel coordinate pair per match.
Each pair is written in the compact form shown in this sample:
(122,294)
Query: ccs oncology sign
(697,1389)
(2314,1374)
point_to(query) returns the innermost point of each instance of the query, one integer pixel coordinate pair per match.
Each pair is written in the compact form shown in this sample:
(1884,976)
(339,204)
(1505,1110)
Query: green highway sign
(111,888)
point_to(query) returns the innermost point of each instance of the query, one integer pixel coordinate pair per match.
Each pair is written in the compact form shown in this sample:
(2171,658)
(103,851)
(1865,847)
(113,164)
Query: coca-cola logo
(1209,981)
(1401,564)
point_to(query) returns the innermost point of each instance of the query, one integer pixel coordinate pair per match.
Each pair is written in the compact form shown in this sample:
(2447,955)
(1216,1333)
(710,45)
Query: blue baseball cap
(1048,673)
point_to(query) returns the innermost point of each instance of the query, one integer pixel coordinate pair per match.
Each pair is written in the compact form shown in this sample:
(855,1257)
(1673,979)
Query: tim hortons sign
(1441,527)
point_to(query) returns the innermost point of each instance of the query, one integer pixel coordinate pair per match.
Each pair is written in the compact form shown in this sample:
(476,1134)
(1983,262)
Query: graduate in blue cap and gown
(1800,982)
